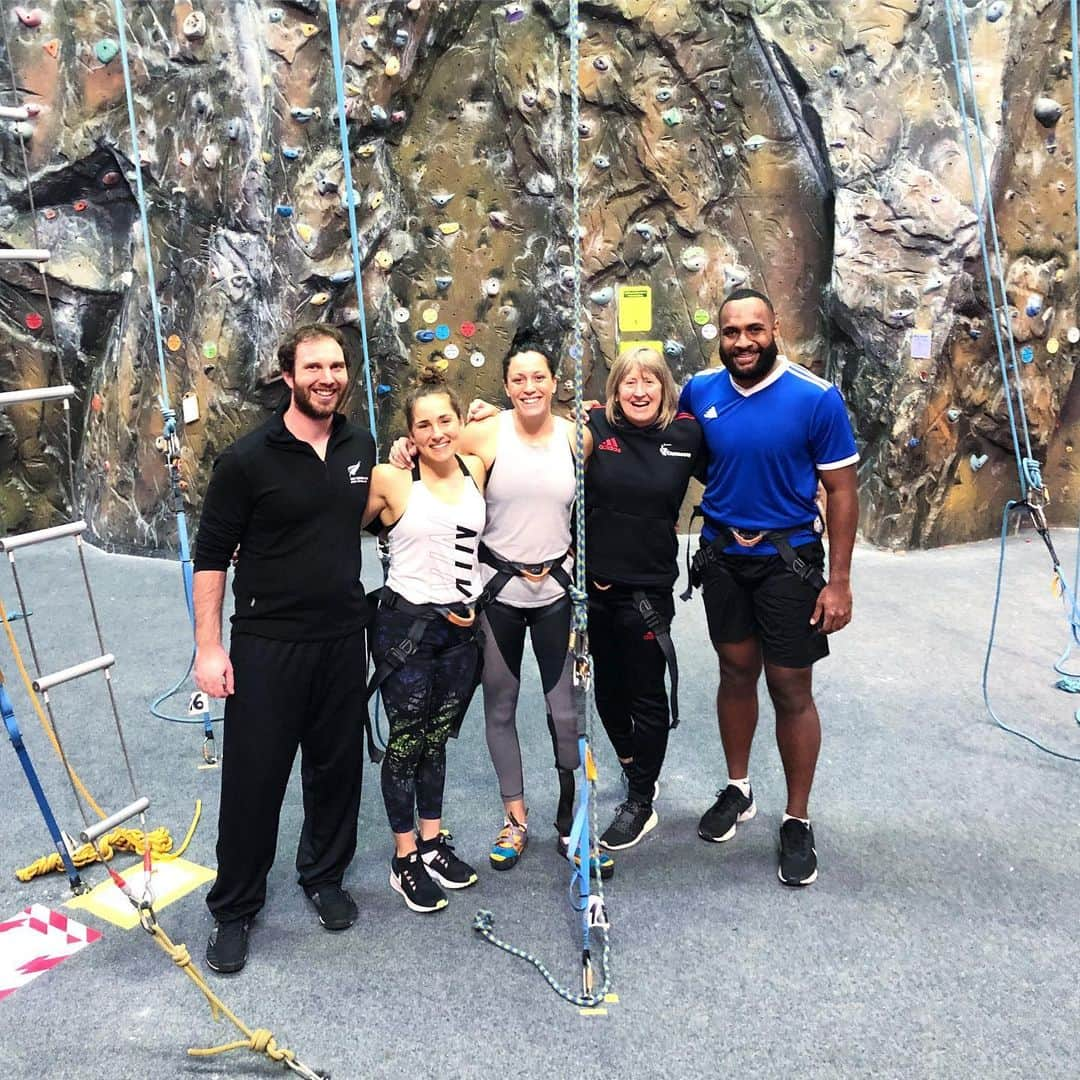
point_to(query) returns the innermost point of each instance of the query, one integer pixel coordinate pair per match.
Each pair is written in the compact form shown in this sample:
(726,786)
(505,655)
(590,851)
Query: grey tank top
(530,494)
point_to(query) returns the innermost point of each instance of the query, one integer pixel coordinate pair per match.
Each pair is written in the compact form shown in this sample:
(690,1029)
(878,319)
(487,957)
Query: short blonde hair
(651,362)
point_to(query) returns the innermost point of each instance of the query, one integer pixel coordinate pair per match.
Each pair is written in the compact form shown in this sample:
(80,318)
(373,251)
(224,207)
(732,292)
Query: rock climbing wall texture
(814,149)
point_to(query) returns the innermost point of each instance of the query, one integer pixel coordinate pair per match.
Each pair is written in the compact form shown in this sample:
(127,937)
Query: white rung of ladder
(44,683)
(99,828)
(41,393)
(23,255)
(14,112)
(41,536)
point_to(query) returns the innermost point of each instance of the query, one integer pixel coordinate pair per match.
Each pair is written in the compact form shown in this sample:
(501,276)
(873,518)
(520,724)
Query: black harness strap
(709,554)
(661,630)
(506,571)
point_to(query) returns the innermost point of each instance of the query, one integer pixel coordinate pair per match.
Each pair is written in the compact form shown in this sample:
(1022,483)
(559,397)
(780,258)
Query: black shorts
(758,596)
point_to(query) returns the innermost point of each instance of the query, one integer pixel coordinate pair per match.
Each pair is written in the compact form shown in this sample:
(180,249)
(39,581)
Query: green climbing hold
(209,349)
(701,316)
(671,117)
(106,50)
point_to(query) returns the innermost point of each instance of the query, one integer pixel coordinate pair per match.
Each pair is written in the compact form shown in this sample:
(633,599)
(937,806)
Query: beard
(766,359)
(312,408)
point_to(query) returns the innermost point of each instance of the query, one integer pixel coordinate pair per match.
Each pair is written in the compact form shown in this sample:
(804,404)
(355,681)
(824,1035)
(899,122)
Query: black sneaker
(443,866)
(226,950)
(798,858)
(632,821)
(410,878)
(336,908)
(730,809)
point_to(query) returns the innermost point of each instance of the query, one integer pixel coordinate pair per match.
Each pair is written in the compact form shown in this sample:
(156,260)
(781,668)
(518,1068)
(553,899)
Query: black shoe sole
(225,969)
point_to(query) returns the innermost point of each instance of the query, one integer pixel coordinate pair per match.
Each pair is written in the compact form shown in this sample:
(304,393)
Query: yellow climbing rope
(120,839)
(258,1040)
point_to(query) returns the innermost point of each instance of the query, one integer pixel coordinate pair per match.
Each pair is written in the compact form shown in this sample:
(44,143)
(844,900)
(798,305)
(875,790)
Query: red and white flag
(36,941)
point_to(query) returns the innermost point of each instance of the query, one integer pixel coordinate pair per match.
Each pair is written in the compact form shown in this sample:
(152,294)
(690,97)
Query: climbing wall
(812,149)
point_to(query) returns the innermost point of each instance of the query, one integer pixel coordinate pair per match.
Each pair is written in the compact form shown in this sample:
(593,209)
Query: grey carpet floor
(940,940)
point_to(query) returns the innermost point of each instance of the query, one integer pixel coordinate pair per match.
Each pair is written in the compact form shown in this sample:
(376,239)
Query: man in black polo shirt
(291,495)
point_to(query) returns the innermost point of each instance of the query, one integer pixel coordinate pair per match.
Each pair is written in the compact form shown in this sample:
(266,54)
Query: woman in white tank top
(434,516)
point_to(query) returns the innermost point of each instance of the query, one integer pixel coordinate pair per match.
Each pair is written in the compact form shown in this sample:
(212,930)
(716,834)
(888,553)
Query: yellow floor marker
(171,880)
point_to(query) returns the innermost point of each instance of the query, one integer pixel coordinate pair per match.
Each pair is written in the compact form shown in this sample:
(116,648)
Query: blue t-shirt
(766,445)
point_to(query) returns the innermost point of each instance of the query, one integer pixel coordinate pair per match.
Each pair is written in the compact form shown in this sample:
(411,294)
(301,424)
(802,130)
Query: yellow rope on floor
(119,840)
(259,1040)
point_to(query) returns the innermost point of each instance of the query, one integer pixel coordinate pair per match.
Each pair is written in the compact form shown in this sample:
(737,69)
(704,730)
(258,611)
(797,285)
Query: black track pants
(629,670)
(289,695)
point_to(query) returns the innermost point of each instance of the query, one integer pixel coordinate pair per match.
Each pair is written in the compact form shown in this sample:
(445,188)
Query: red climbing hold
(468,329)
(34,321)
(79,205)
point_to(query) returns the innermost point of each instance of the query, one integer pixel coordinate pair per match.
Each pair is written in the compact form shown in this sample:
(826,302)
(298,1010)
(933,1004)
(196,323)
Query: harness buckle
(533,573)
(402,651)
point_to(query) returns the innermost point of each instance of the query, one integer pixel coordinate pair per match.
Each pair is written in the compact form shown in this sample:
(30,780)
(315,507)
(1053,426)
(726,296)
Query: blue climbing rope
(350,203)
(581,844)
(169,440)
(1029,475)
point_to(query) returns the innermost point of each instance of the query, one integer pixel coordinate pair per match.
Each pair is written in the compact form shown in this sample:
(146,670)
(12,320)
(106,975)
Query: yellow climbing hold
(375,20)
(393,66)
(383,259)
(441,365)
(431,315)
(173,342)
(352,90)
(366,150)
(305,232)
(1052,346)
(308,29)
(448,228)
(375,200)
(267,157)
(319,299)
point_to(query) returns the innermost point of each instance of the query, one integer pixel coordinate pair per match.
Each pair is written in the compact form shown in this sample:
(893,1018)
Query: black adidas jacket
(297,521)
(634,487)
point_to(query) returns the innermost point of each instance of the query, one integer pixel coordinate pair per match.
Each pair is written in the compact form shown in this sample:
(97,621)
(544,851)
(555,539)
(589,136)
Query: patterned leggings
(425,703)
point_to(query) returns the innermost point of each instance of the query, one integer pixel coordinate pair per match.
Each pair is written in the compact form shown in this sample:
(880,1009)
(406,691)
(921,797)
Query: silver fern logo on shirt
(355,475)
(666,451)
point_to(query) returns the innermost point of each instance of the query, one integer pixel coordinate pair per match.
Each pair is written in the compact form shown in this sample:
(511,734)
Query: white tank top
(530,493)
(433,545)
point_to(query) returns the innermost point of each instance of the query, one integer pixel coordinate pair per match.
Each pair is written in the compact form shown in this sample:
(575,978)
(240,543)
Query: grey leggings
(504,645)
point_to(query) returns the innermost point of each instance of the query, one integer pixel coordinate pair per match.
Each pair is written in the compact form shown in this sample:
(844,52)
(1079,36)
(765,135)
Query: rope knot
(483,921)
(262,1041)
(180,956)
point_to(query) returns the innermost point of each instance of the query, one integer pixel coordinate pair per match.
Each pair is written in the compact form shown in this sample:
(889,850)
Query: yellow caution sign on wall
(635,309)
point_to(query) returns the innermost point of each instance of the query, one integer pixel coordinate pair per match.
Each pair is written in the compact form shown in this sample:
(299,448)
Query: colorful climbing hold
(995,11)
(448,228)
(33,321)
(106,50)
(1034,305)
(709,331)
(52,47)
(467,329)
(401,37)
(1073,334)
(110,178)
(701,316)
(443,282)
(672,117)
(602,161)
(663,94)
(1027,354)
(425,336)
(173,343)
(79,205)
(31,17)
(430,316)
(913,442)
(401,315)
(477,359)
(514,13)
(383,259)
(1052,346)
(50,214)
(283,210)
(604,296)
(290,153)
(275,14)
(304,231)
(393,66)
(953,415)
(755,142)
(441,198)
(600,63)
(319,299)
(451,351)
(383,389)
(673,348)
(375,200)
(308,29)
(375,19)
(97,403)
(209,350)
(442,332)
(301,114)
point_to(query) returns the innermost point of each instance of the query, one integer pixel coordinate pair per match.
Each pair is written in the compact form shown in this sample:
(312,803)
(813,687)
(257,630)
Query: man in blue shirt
(773,430)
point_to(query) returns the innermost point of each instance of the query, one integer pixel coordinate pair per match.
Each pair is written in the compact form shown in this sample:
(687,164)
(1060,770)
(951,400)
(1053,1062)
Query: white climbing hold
(693,259)
(194,26)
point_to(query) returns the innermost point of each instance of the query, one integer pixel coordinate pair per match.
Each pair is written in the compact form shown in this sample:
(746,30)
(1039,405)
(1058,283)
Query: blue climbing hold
(232,129)
(425,336)
(284,211)
(340,277)
(1034,305)
(443,281)
(995,11)
(442,331)
(383,389)
(290,153)
(913,442)
(106,50)
(302,115)
(673,348)
(1027,354)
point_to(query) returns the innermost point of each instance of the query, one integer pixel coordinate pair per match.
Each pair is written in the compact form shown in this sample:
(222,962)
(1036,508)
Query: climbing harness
(1033,494)
(660,628)
(168,442)
(710,554)
(506,571)
(590,906)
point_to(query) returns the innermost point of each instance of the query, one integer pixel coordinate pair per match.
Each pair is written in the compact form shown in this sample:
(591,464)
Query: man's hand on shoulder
(213,672)
(479,409)
(402,453)
(833,609)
